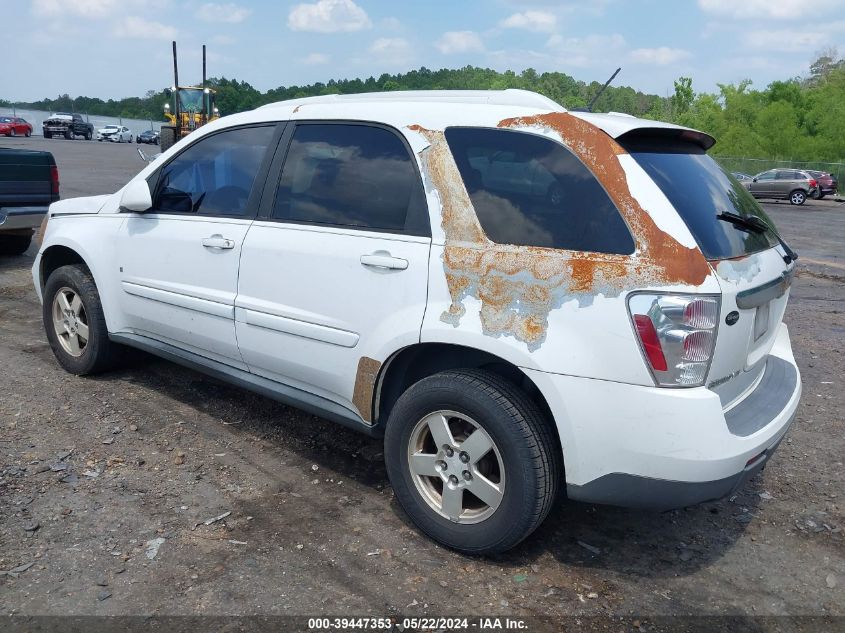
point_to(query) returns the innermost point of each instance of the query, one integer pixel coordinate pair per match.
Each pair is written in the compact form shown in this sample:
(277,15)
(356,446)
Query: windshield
(190,99)
(700,190)
(5,119)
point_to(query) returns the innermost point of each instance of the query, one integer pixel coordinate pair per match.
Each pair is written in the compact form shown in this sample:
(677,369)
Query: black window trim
(252,204)
(268,199)
(631,233)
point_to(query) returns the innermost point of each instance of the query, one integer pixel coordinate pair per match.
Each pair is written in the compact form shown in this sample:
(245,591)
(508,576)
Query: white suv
(518,298)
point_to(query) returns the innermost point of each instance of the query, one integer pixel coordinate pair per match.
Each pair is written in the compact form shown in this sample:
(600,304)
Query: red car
(14,126)
(827,184)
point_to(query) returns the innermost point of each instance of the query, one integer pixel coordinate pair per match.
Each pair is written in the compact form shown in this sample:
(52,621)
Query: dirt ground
(109,485)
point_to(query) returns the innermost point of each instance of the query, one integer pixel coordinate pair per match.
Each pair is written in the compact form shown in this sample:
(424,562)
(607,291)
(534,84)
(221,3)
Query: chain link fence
(754,166)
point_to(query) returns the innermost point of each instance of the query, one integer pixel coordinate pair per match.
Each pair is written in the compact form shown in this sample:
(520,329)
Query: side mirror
(753,180)
(136,197)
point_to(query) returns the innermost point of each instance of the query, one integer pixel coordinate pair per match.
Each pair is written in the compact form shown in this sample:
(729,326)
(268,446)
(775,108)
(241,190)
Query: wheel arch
(55,257)
(415,362)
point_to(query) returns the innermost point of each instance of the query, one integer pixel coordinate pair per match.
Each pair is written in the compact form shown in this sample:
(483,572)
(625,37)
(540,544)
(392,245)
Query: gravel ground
(155,490)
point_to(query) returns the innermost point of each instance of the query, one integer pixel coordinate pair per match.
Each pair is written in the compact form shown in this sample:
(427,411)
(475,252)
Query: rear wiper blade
(758,225)
(750,222)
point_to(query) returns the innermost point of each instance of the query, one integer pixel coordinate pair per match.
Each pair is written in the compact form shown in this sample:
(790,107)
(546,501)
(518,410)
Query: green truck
(29,184)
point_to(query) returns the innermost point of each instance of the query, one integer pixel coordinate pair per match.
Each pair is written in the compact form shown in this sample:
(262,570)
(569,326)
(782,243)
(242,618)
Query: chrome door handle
(218,241)
(384,260)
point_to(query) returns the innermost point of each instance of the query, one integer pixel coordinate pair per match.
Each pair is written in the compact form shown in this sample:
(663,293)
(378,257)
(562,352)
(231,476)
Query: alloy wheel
(70,321)
(456,467)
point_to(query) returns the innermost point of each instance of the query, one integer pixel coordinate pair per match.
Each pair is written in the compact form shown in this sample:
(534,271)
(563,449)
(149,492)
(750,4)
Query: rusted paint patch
(518,286)
(666,260)
(39,234)
(365,384)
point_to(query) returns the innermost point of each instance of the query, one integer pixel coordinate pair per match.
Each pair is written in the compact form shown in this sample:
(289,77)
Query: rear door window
(529,190)
(351,175)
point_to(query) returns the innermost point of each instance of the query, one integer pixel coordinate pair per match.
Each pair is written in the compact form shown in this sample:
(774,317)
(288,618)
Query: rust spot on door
(518,286)
(365,383)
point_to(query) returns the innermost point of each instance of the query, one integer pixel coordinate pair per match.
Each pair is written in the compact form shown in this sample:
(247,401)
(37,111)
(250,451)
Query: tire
(168,137)
(98,353)
(130,138)
(69,135)
(820,196)
(28,133)
(89,136)
(798,197)
(13,132)
(14,244)
(522,461)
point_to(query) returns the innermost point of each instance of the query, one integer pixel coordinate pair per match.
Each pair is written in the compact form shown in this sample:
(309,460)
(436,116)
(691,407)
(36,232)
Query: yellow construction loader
(193,107)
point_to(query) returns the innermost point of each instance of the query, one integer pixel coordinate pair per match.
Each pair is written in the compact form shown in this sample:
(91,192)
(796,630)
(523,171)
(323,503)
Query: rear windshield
(700,189)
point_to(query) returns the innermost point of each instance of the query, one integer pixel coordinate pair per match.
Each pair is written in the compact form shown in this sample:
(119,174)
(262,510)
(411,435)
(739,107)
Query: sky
(120,48)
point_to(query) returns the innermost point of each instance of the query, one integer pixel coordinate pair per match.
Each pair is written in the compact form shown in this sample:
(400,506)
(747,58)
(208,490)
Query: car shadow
(641,543)
(636,543)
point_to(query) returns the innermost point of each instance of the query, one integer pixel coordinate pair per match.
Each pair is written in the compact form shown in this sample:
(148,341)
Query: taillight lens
(813,183)
(677,334)
(54,179)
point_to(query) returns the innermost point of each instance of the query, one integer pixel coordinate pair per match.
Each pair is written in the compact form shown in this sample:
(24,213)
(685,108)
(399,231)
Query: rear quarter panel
(552,310)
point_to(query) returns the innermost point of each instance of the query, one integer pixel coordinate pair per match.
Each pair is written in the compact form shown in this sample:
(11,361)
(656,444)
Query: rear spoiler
(627,129)
(666,140)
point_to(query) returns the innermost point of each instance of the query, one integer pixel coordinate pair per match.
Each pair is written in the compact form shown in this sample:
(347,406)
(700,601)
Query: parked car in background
(14,126)
(29,183)
(783,184)
(741,176)
(487,332)
(115,134)
(153,137)
(67,125)
(828,185)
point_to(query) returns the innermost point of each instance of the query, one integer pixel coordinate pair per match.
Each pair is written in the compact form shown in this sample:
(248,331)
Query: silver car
(784,184)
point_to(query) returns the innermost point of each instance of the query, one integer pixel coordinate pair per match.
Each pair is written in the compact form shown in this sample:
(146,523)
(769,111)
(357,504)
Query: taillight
(54,180)
(813,183)
(677,334)
(650,341)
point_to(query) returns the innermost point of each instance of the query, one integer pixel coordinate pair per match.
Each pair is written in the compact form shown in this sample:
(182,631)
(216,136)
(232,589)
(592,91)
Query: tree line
(237,96)
(801,119)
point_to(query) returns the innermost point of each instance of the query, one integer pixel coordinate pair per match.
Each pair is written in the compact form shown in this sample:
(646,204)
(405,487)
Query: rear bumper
(659,448)
(634,491)
(15,218)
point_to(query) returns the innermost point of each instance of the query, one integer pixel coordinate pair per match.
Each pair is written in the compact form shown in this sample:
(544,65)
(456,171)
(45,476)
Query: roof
(510,97)
(437,109)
